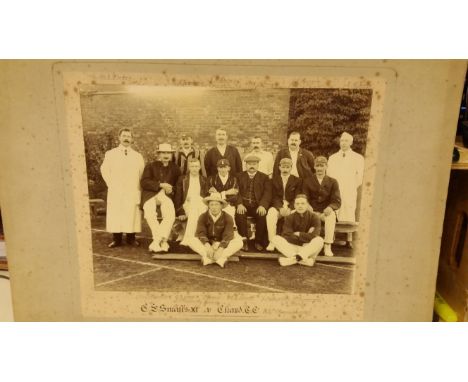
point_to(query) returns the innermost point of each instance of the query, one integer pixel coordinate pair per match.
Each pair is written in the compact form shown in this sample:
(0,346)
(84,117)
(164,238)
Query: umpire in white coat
(121,170)
(347,167)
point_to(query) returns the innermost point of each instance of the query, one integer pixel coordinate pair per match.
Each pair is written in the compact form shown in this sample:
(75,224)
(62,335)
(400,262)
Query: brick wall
(161,118)
(158,118)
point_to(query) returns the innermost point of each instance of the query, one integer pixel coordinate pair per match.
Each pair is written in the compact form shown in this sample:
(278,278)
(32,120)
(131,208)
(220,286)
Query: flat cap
(286,162)
(251,158)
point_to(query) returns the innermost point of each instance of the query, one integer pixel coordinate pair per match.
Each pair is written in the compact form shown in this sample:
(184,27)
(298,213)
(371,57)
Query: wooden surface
(452,279)
(3,260)
(275,256)
(184,256)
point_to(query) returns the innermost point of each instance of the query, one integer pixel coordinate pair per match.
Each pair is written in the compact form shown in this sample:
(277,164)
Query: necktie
(125,151)
(344,154)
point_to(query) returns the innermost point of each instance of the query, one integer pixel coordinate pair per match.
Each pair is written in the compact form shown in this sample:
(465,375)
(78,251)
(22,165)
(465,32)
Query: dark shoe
(259,247)
(245,247)
(114,244)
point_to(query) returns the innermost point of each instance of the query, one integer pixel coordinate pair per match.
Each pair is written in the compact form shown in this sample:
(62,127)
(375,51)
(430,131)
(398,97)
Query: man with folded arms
(190,191)
(253,201)
(285,187)
(158,183)
(324,197)
(300,241)
(214,238)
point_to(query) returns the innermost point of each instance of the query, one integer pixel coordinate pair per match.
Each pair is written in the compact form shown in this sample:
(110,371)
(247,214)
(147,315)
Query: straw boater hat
(215,197)
(165,148)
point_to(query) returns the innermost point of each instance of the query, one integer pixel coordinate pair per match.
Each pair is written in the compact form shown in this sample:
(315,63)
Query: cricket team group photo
(268,214)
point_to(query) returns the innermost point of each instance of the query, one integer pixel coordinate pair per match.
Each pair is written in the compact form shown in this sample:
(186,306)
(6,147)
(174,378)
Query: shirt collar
(215,217)
(190,150)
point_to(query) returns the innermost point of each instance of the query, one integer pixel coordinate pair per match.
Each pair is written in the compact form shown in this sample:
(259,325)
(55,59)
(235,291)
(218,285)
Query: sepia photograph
(224,190)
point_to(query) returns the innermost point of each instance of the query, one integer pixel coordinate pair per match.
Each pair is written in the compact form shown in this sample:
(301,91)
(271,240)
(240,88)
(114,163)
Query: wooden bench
(349,228)
(341,227)
(96,205)
(319,259)
(185,256)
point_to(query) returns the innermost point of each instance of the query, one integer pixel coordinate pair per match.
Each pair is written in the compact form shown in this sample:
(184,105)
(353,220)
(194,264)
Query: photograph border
(68,77)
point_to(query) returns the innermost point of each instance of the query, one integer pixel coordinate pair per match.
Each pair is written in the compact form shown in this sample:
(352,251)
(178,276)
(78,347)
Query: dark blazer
(323,195)
(262,188)
(305,162)
(209,231)
(231,154)
(293,187)
(215,181)
(296,222)
(154,174)
(181,190)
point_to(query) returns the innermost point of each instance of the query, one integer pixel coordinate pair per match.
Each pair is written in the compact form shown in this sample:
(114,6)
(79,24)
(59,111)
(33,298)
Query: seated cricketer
(226,185)
(324,197)
(157,183)
(190,191)
(300,241)
(284,188)
(253,201)
(214,238)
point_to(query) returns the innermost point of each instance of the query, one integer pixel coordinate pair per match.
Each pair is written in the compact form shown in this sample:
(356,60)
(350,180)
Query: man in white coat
(347,167)
(121,169)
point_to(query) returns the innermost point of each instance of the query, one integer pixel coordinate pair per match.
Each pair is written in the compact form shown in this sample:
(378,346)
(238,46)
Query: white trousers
(311,249)
(272,221)
(231,211)
(330,223)
(160,230)
(234,246)
(193,210)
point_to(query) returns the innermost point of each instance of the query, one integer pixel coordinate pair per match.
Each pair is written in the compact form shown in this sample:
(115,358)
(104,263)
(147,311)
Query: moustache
(126,140)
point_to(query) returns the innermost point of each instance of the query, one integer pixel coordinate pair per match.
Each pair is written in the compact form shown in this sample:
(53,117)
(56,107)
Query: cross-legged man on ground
(300,241)
(214,238)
